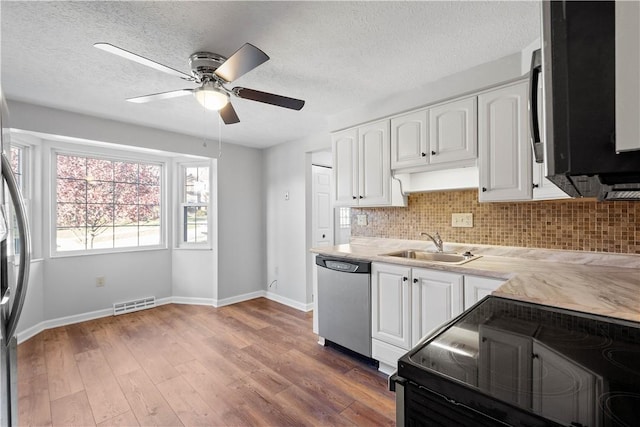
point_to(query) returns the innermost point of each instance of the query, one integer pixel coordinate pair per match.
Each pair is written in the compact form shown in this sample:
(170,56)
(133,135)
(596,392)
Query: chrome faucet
(437,240)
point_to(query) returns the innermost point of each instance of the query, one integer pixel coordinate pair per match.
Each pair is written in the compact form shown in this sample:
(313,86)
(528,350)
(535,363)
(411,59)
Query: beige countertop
(592,282)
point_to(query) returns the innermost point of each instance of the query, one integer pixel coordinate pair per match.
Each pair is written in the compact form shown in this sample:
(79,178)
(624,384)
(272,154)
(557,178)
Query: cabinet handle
(354,197)
(404,279)
(415,280)
(362,197)
(424,154)
(323,236)
(535,186)
(433,153)
(484,189)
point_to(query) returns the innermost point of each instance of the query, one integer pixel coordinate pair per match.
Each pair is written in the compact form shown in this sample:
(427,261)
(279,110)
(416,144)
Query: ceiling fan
(212,72)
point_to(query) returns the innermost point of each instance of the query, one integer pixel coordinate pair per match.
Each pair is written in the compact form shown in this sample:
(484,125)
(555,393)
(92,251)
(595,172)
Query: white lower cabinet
(390,304)
(407,304)
(436,296)
(476,288)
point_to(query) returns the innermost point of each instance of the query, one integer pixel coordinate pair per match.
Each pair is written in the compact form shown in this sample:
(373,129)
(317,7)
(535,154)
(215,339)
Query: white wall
(33,308)
(287,168)
(472,80)
(70,282)
(241,222)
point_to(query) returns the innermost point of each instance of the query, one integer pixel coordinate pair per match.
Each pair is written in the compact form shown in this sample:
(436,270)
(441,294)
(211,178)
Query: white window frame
(25,190)
(113,155)
(182,204)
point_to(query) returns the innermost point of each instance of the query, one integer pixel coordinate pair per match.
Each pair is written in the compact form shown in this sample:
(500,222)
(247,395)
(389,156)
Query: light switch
(362,219)
(462,220)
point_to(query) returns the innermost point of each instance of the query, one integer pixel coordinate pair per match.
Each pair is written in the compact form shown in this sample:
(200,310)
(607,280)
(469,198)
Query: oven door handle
(534,114)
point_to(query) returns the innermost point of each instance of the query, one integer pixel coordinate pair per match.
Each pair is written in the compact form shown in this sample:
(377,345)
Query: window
(104,203)
(195,204)
(18,157)
(345,217)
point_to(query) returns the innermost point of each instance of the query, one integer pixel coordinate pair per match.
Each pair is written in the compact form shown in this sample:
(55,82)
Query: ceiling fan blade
(269,98)
(228,114)
(159,96)
(142,60)
(241,62)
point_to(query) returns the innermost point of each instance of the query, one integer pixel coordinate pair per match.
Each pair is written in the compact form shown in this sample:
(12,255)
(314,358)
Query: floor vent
(135,305)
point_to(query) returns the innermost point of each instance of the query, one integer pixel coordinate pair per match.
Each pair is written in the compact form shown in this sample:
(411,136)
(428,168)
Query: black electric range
(505,362)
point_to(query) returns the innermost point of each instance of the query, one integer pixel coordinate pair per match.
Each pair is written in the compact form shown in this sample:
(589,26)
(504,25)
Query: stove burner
(562,338)
(623,359)
(621,407)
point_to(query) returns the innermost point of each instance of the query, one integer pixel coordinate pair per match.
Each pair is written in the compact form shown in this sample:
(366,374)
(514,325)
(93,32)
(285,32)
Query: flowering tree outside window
(195,204)
(106,203)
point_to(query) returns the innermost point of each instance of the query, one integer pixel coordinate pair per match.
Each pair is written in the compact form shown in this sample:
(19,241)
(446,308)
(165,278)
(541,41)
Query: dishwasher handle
(344,265)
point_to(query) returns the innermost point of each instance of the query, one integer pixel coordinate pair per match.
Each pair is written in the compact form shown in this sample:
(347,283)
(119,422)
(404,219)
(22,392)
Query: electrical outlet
(462,220)
(362,219)
(100,281)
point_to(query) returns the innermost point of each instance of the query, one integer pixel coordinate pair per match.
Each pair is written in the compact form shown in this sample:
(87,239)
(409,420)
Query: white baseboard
(83,317)
(191,301)
(288,301)
(62,321)
(238,298)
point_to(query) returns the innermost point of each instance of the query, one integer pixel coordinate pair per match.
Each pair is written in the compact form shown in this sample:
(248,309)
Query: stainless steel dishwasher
(344,303)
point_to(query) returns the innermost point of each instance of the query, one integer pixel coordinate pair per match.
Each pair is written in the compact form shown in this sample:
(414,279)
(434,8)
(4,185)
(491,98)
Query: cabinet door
(476,288)
(436,296)
(345,167)
(505,150)
(374,177)
(563,390)
(409,140)
(390,309)
(453,131)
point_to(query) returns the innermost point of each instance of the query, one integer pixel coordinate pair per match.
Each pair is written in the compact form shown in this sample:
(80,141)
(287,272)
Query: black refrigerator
(15,246)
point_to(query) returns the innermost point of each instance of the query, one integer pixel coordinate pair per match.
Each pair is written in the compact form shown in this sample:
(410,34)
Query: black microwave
(578,67)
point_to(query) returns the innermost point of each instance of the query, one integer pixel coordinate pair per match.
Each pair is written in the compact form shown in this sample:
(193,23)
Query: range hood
(578,67)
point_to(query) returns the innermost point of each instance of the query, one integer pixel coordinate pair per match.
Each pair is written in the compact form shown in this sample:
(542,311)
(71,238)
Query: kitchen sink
(447,258)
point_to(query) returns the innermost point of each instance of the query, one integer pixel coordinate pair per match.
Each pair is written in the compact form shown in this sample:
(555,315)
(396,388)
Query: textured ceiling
(335,55)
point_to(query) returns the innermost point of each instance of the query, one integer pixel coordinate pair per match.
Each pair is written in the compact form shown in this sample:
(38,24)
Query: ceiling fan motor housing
(204,64)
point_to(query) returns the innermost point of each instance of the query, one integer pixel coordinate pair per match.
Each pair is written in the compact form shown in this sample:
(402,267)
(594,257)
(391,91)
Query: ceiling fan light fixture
(211,97)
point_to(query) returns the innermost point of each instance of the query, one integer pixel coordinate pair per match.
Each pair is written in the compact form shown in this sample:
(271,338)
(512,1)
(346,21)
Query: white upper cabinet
(362,167)
(374,177)
(504,147)
(453,131)
(476,288)
(409,143)
(443,134)
(345,167)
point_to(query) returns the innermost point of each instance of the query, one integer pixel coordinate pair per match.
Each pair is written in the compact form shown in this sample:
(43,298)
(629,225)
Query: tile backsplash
(584,225)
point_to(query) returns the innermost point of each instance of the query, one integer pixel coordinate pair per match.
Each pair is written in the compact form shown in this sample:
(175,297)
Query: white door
(504,146)
(436,297)
(453,132)
(390,304)
(374,176)
(322,216)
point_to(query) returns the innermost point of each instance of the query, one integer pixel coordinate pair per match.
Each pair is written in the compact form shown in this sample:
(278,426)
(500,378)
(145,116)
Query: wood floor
(253,363)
